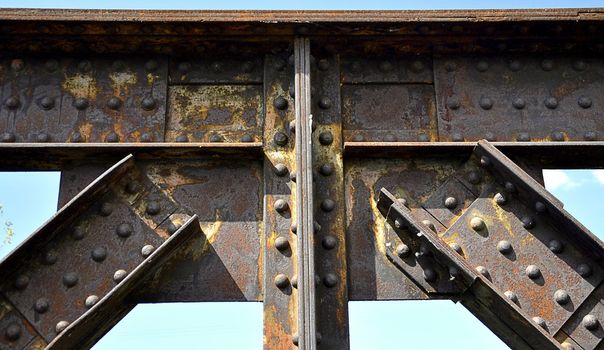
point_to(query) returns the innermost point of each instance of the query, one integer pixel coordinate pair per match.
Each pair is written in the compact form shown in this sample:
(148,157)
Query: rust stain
(80,85)
(275,336)
(122,81)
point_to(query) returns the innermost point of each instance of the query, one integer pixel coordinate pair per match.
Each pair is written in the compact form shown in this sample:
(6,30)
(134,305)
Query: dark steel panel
(389,113)
(215,113)
(357,70)
(585,326)
(212,70)
(17,332)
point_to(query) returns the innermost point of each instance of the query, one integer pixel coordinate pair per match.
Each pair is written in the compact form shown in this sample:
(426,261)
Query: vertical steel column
(304,198)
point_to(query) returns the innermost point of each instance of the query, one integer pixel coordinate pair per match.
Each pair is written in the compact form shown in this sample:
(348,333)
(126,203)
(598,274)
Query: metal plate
(452,191)
(356,70)
(575,327)
(212,70)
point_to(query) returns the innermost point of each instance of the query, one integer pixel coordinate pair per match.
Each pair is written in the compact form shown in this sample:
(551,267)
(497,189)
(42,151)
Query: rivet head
(477,224)
(281,243)
(514,65)
(132,187)
(17,64)
(182,138)
(148,103)
(281,205)
(456,247)
(326,138)
(323,64)
(509,187)
(584,270)
(112,137)
(561,297)
(483,271)
(453,103)
(500,199)
(248,66)
(173,227)
(184,67)
(485,161)
(325,102)
(557,136)
(540,207)
(80,103)
(8,137)
(147,250)
(13,332)
(590,322)
(579,65)
(280,103)
(106,209)
(146,137)
(518,103)
(403,250)
(90,301)
(533,272)
(216,138)
(482,66)
(50,257)
(490,136)
(328,205)
(41,305)
(590,136)
(292,176)
(326,169)
(528,222)
(151,65)
(329,242)
(21,282)
(280,138)
(584,102)
(61,325)
(430,275)
(451,202)
(51,65)
(540,322)
(567,346)
(504,247)
(77,137)
(153,208)
(85,66)
(330,280)
(294,281)
(512,296)
(485,103)
(47,102)
(247,138)
(294,228)
(417,66)
(295,339)
(551,102)
(98,254)
(473,177)
(124,230)
(281,169)
(216,66)
(385,66)
(547,65)
(281,281)
(523,136)
(119,275)
(429,224)
(12,102)
(114,103)
(457,137)
(555,246)
(42,137)
(70,279)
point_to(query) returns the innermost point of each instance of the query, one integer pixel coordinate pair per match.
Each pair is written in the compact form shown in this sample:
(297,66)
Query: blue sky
(29,199)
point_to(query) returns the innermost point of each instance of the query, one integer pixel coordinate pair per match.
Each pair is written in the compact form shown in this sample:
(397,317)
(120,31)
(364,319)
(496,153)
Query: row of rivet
(113,137)
(416,66)
(148,103)
(515,65)
(85,66)
(217,67)
(487,103)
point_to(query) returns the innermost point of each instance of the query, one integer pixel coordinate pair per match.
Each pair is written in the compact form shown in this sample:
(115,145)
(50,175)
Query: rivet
(17,64)
(385,66)
(319,337)
(551,102)
(417,66)
(590,136)
(477,224)
(328,205)
(403,250)
(114,103)
(132,187)
(590,322)
(294,281)
(512,296)
(42,137)
(326,169)
(357,138)
(533,272)
(485,103)
(422,137)
(325,103)
(557,136)
(500,199)
(281,281)
(584,270)
(90,301)
(454,271)
(316,227)
(12,102)
(47,102)
(216,66)
(112,137)
(148,103)
(567,346)
(13,332)
(281,169)
(280,103)
(295,339)
(330,280)
(248,66)
(547,65)
(579,65)
(77,137)
(294,228)
(540,322)
(489,136)
(398,223)
(50,257)
(85,66)
(453,103)
(124,230)
(584,102)
(518,103)
(119,275)
(523,136)
(280,138)
(98,254)
(118,66)
(279,64)
(21,282)
(456,247)
(457,137)
(429,225)
(61,325)
(509,187)
(173,227)
(8,137)
(153,208)
(51,65)
(147,250)
(430,275)
(326,138)
(215,138)
(485,161)
(450,202)
(281,243)
(70,279)
(482,66)
(247,138)
(151,65)
(528,222)
(281,205)
(80,103)
(403,202)
(146,137)
(561,297)
(449,66)
(329,242)
(514,65)
(41,305)
(182,138)
(473,177)
(184,67)
(483,271)
(292,176)
(504,247)
(555,246)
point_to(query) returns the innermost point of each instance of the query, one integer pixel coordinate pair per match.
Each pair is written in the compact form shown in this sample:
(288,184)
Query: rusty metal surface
(583,330)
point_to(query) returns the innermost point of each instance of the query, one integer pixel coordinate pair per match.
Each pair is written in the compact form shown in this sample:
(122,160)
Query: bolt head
(148,103)
(330,280)
(98,254)
(453,103)
(76,137)
(555,246)
(561,297)
(70,279)
(323,64)
(281,243)
(567,346)
(147,250)
(417,66)
(247,138)
(41,305)
(450,202)
(151,65)
(8,137)
(326,138)
(13,332)
(153,208)
(215,138)
(477,224)
(429,225)
(385,66)
(510,187)
(329,242)
(523,136)
(579,65)
(61,325)
(119,275)
(514,65)
(281,281)
(294,281)
(90,301)
(590,136)
(533,272)
(590,322)
(280,103)
(182,138)
(504,247)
